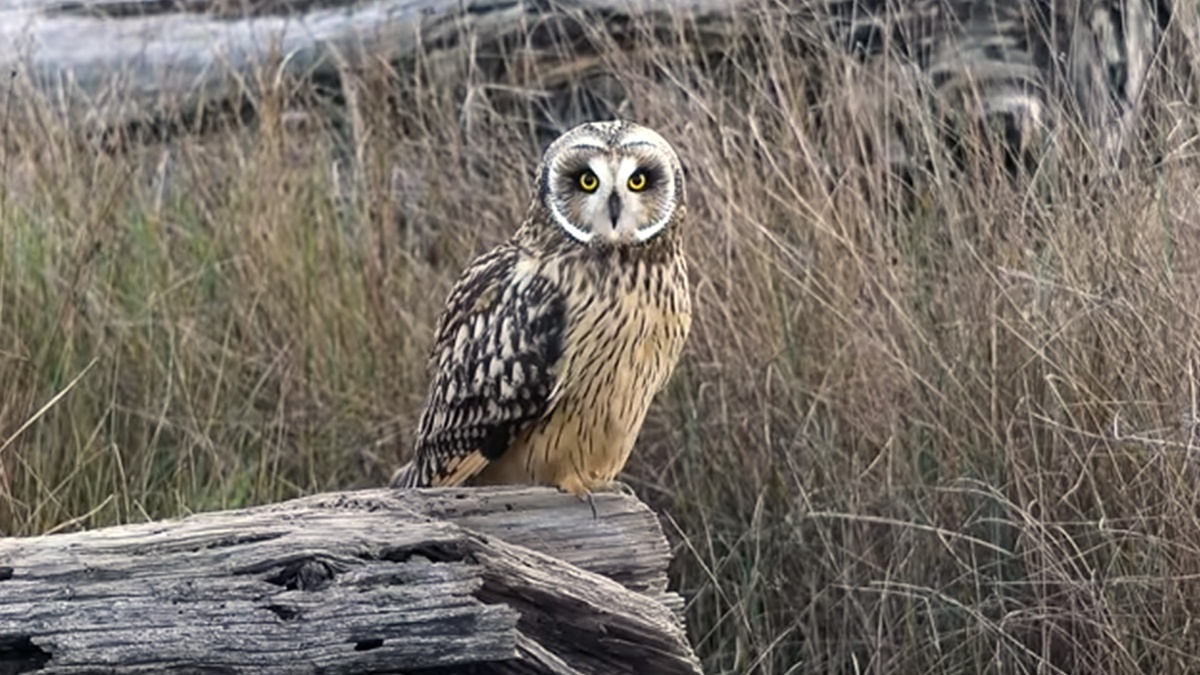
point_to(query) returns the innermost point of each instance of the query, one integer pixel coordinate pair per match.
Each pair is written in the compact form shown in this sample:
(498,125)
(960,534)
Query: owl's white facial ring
(612,211)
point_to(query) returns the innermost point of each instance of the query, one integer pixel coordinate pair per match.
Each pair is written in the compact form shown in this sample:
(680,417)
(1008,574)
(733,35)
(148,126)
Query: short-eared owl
(552,345)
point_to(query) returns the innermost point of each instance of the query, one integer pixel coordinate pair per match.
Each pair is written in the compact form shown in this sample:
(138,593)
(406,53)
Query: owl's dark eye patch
(570,178)
(653,173)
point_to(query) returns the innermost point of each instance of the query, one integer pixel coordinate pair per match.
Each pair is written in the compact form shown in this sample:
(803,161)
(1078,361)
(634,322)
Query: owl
(552,345)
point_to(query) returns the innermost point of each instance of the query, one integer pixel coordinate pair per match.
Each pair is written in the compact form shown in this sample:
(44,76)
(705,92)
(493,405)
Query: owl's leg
(575,486)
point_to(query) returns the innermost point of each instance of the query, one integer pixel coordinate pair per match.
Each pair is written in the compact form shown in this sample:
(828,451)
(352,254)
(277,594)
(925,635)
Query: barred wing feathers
(495,367)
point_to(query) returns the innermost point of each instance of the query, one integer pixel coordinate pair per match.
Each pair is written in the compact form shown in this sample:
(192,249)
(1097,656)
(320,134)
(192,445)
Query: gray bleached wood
(498,580)
(106,64)
(116,61)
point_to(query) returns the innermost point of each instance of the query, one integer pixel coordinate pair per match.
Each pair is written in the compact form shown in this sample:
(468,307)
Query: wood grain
(470,580)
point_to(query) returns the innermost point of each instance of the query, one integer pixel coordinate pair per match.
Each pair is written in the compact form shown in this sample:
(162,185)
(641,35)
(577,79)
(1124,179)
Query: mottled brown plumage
(553,344)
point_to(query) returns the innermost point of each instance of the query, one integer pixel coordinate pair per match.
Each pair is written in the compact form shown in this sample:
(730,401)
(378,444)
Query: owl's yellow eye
(637,182)
(588,181)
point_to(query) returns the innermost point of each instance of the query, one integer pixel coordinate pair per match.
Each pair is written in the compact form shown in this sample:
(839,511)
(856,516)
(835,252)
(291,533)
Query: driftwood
(116,61)
(1014,69)
(495,580)
(113,61)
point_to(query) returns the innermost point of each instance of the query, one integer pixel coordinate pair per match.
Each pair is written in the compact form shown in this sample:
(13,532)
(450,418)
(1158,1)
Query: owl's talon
(592,503)
(619,487)
(581,493)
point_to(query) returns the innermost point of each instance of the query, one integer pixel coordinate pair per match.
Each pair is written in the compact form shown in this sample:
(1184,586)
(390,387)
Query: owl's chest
(621,344)
(625,336)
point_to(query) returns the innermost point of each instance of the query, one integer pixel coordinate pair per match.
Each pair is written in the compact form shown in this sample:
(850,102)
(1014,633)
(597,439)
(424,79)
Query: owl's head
(611,183)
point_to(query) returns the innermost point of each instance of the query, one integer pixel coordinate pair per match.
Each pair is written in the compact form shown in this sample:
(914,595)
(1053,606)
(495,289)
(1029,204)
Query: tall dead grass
(941,428)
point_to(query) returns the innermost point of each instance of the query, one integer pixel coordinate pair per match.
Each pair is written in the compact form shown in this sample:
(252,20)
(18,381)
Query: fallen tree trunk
(109,64)
(496,580)
(1030,75)
(116,61)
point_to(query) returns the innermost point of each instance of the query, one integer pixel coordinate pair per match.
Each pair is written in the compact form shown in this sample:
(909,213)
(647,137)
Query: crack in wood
(18,654)
(368,645)
(303,575)
(435,553)
(284,613)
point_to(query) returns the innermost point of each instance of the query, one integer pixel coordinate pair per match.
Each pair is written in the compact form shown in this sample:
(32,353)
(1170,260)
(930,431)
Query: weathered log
(114,61)
(488,580)
(111,63)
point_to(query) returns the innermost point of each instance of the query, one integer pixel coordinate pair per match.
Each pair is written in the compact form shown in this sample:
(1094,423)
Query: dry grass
(958,437)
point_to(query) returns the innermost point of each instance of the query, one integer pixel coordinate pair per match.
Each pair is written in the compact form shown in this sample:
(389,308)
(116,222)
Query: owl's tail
(405,477)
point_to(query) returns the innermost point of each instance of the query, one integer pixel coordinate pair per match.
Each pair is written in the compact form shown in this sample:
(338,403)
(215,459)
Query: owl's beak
(614,208)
